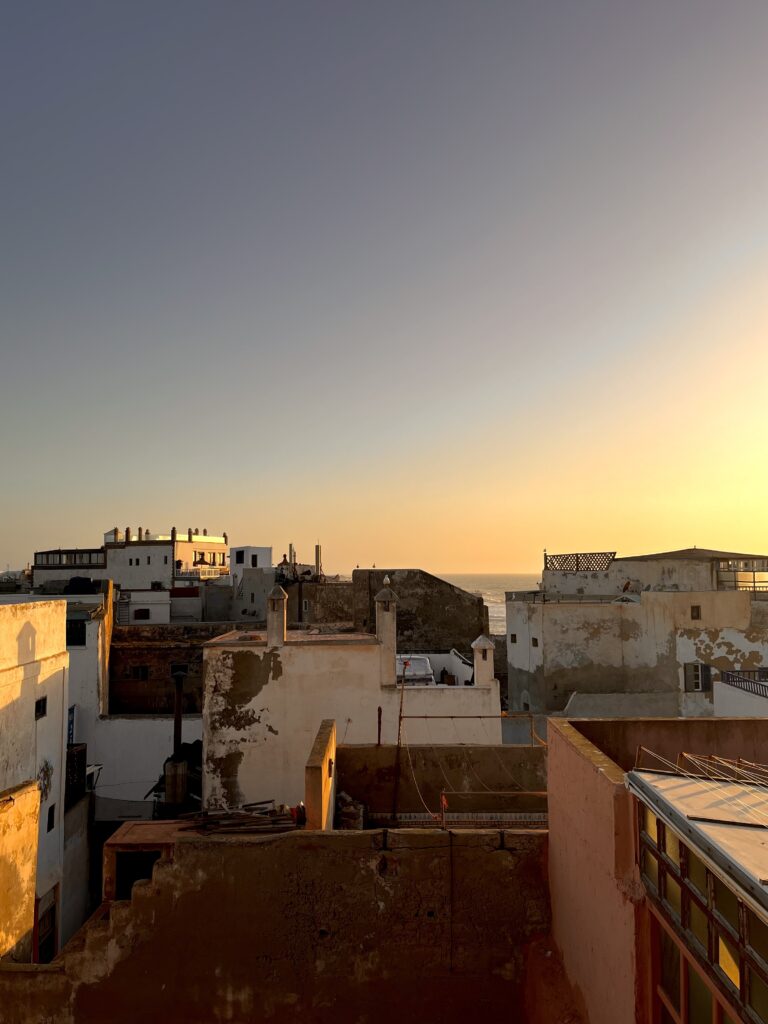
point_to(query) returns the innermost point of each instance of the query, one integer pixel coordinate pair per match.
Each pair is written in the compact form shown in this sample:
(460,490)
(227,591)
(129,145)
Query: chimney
(483,650)
(277,605)
(318,560)
(196,531)
(173,534)
(189,535)
(386,632)
(291,554)
(115,534)
(141,533)
(205,531)
(127,535)
(226,540)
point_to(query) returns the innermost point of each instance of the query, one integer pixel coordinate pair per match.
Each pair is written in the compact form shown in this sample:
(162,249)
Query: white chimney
(277,613)
(483,649)
(386,632)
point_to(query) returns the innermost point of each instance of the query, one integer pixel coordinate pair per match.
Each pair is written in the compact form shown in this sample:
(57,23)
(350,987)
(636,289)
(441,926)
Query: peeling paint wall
(333,928)
(19,810)
(263,707)
(639,646)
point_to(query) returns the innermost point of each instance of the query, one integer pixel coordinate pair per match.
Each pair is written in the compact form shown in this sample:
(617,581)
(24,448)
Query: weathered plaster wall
(19,809)
(432,614)
(367,774)
(263,707)
(592,876)
(339,928)
(635,575)
(639,646)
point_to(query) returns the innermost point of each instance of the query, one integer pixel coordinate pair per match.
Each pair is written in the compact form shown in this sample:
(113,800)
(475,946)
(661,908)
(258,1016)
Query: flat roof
(726,821)
(258,638)
(691,554)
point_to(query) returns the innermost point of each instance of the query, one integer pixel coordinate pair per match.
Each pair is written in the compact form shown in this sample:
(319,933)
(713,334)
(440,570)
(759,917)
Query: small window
(239,557)
(141,613)
(254,561)
(697,677)
(695,611)
(165,559)
(41,707)
(305,605)
(253,598)
(513,638)
(534,641)
(75,632)
(149,560)
(51,823)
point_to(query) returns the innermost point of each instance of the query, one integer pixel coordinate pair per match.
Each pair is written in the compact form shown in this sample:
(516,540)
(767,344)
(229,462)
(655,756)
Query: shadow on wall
(26,644)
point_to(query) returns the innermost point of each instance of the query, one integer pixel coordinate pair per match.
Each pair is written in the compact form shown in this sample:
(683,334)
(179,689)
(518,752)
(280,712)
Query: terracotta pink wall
(593,882)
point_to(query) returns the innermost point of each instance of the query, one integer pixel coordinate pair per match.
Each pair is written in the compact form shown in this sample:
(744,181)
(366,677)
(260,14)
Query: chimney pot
(127,535)
(141,532)
(189,534)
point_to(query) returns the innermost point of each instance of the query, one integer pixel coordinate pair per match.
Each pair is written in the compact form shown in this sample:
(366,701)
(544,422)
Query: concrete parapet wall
(367,774)
(328,927)
(320,778)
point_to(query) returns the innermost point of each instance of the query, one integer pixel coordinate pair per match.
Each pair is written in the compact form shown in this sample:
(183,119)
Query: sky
(439,283)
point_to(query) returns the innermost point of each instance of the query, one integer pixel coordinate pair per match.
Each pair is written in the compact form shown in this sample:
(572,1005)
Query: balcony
(202,572)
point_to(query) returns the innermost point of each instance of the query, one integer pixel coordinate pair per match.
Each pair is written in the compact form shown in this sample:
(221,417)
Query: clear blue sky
(440,283)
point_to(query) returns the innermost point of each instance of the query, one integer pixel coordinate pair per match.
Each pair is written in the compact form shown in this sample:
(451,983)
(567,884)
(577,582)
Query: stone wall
(327,927)
(157,649)
(432,614)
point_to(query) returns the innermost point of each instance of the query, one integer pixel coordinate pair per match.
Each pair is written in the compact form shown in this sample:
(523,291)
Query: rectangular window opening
(41,707)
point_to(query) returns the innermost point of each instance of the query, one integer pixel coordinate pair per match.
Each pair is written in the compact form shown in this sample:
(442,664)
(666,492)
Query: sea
(493,587)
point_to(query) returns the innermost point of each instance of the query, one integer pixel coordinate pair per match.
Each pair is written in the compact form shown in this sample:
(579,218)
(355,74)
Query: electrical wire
(435,817)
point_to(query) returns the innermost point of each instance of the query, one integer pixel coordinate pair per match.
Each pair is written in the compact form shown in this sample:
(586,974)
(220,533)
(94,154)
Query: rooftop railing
(579,561)
(742,682)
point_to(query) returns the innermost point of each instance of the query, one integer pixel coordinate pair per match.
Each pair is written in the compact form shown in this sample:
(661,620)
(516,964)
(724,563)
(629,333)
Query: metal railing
(204,572)
(744,683)
(546,597)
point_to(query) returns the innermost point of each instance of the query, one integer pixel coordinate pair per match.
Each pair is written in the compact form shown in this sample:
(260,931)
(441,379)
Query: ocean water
(493,587)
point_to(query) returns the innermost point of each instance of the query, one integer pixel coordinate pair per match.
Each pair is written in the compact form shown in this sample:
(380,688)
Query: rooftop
(725,820)
(258,638)
(691,554)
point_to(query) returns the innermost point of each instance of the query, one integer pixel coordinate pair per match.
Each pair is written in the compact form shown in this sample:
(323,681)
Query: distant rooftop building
(646,634)
(140,561)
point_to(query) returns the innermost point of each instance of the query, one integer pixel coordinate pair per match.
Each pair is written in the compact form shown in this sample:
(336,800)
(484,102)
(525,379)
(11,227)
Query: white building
(34,667)
(144,561)
(248,558)
(265,694)
(647,635)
